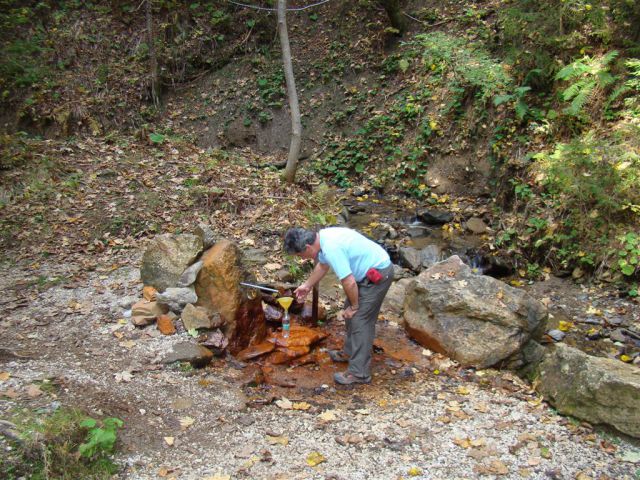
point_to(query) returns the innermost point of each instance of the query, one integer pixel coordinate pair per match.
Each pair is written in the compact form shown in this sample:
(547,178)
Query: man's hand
(349,312)
(301,292)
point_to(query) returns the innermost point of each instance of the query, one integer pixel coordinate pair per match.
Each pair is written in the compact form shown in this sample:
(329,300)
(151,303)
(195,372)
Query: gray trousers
(361,328)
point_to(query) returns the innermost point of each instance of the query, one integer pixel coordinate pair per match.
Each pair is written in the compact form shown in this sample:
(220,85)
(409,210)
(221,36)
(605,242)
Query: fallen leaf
(414,472)
(218,476)
(328,415)
(496,467)
(186,422)
(594,311)
(565,326)
(462,442)
(279,440)
(545,452)
(630,456)
(125,376)
(479,442)
(284,403)
(272,266)
(315,458)
(33,390)
(169,441)
(301,406)
(4,376)
(463,390)
(9,393)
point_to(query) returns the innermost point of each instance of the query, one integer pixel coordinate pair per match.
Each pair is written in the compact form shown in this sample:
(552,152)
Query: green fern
(588,75)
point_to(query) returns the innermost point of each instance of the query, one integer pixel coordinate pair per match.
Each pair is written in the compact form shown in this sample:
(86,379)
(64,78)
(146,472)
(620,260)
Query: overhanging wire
(294,9)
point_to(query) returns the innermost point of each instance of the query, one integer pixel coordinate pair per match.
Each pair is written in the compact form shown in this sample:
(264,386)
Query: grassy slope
(420,118)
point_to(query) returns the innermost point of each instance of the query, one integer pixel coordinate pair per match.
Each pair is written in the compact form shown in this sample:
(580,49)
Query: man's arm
(319,271)
(351,290)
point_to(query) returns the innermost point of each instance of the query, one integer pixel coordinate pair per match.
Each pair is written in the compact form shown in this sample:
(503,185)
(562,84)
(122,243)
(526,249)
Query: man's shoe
(348,378)
(338,356)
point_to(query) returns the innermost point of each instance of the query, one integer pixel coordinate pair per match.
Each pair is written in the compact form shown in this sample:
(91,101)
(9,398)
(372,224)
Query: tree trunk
(296,124)
(153,61)
(392,7)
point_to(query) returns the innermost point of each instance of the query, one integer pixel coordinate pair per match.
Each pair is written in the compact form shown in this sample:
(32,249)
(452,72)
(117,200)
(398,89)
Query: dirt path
(454,424)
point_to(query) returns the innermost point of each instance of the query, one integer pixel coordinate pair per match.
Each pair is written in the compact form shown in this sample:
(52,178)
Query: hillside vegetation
(534,103)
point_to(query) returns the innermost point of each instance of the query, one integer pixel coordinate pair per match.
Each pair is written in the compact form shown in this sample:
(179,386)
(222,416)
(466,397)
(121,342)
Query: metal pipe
(259,287)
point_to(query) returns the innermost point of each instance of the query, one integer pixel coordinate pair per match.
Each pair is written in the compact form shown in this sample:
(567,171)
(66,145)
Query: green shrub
(64,445)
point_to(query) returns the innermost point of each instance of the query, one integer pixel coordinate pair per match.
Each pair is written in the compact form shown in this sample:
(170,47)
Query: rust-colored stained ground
(393,358)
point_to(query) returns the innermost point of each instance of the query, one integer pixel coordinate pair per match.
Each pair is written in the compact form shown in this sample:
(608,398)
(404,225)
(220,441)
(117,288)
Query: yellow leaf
(565,326)
(328,416)
(169,440)
(516,283)
(478,442)
(625,358)
(280,440)
(186,422)
(594,311)
(301,406)
(4,376)
(315,458)
(463,390)
(462,442)
(414,471)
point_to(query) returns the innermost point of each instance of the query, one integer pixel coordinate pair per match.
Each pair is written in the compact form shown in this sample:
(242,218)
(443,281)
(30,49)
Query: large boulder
(167,257)
(595,389)
(393,303)
(219,291)
(477,320)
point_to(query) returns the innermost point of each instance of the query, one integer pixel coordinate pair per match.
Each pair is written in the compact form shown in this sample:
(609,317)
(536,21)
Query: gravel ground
(410,423)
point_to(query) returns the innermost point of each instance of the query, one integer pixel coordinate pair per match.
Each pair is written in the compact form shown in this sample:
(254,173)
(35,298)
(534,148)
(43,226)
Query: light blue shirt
(349,252)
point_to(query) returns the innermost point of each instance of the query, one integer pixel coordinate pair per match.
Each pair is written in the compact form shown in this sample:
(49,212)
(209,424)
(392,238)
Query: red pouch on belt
(374,276)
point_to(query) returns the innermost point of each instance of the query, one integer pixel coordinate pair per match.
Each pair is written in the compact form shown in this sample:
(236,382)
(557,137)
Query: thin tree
(153,60)
(392,7)
(296,124)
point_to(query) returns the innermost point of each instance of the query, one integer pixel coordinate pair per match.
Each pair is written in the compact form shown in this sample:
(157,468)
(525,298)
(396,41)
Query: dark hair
(296,239)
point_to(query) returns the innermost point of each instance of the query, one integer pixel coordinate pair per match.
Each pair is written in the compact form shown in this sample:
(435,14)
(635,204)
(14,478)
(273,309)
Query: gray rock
(206,235)
(399,272)
(556,335)
(197,317)
(417,231)
(254,256)
(598,390)
(189,276)
(195,354)
(177,298)
(435,217)
(476,320)
(430,255)
(476,225)
(167,257)
(410,257)
(618,335)
(394,301)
